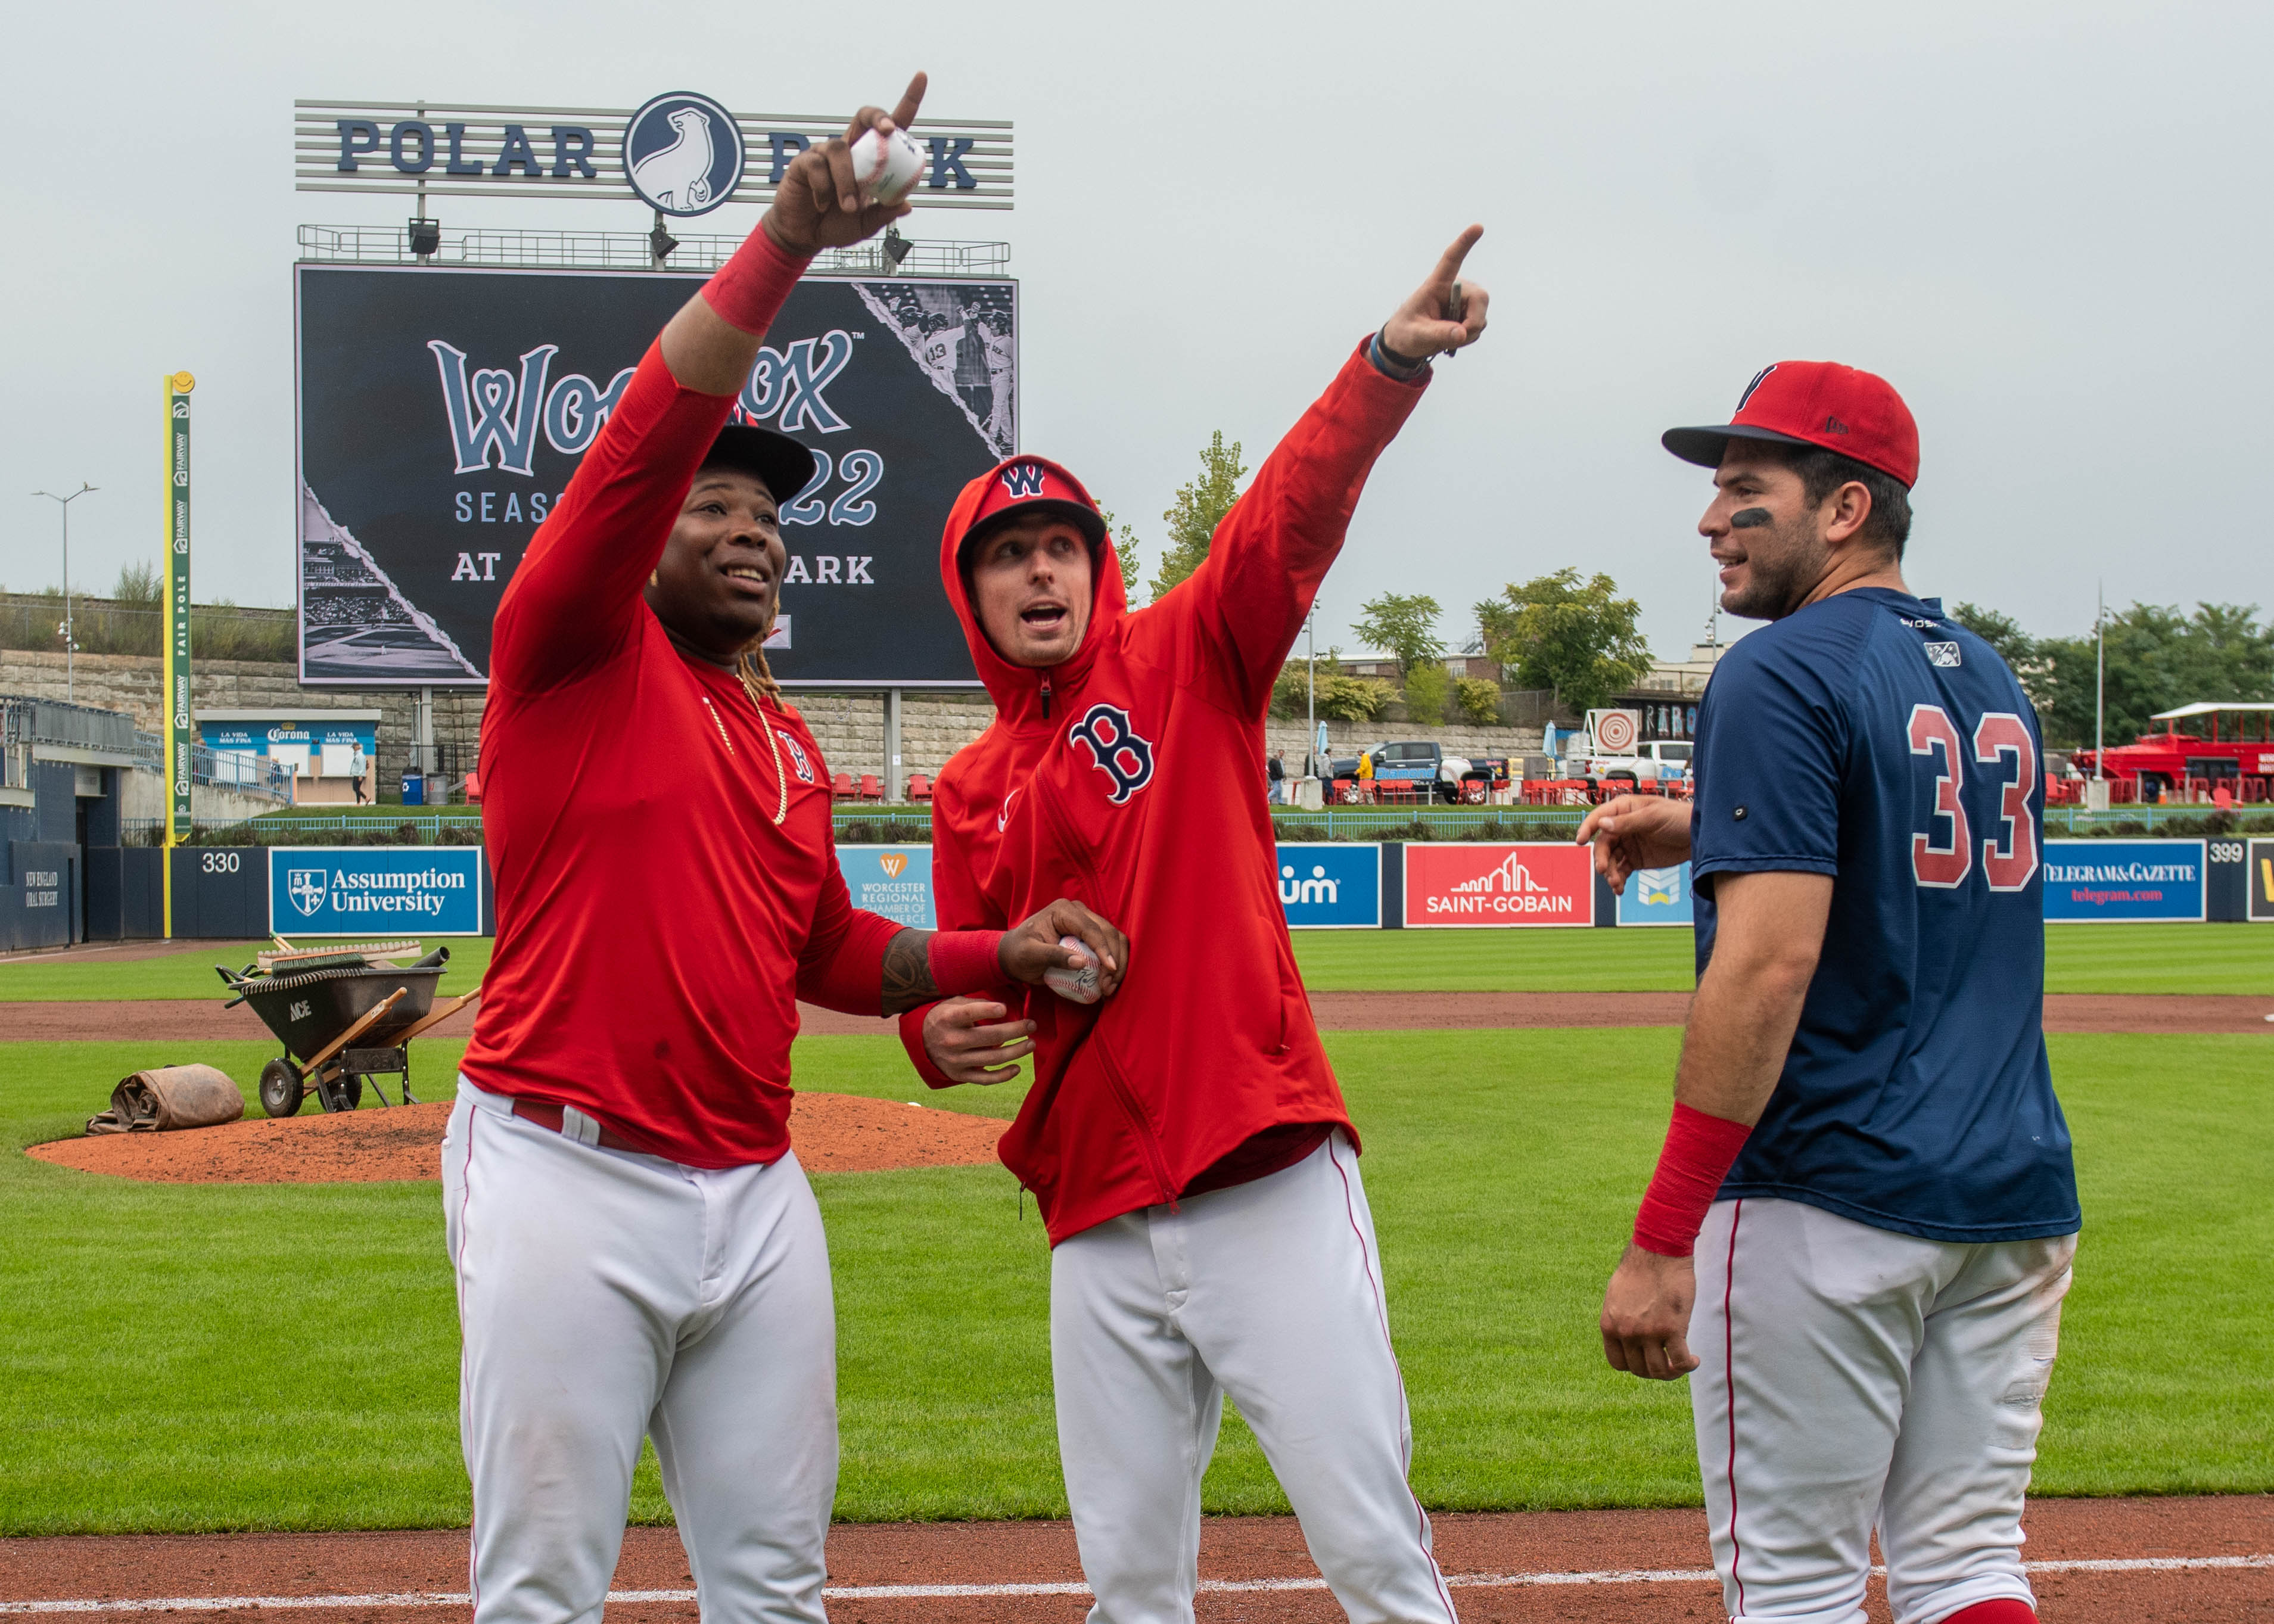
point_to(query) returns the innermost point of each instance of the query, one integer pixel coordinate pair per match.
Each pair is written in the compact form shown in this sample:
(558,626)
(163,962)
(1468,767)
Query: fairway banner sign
(1656,897)
(1324,885)
(442,410)
(1523,884)
(341,890)
(180,735)
(2089,882)
(894,880)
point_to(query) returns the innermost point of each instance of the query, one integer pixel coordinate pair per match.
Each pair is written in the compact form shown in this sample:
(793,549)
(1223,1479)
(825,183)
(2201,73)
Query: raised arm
(575,597)
(1275,546)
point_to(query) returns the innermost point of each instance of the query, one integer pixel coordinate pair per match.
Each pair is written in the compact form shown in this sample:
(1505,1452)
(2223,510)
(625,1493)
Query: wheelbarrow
(345,1016)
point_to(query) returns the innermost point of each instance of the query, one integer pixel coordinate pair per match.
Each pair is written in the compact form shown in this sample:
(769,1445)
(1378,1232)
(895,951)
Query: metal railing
(628,250)
(235,770)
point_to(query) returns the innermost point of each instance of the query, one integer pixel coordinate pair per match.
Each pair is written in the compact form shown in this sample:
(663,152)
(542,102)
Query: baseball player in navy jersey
(1860,1230)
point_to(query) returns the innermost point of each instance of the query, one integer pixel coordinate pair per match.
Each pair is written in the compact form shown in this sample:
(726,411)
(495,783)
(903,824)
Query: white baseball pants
(603,1297)
(1854,1378)
(1271,1292)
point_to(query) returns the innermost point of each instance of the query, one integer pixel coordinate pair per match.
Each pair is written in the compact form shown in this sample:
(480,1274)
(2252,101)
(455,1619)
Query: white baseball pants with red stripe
(604,1296)
(1269,1291)
(1855,1378)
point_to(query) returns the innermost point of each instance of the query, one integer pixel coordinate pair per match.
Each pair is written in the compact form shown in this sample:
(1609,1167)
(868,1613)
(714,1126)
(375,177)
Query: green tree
(1124,554)
(2002,633)
(1339,697)
(1478,699)
(1427,685)
(1575,636)
(1199,509)
(1403,625)
(2158,659)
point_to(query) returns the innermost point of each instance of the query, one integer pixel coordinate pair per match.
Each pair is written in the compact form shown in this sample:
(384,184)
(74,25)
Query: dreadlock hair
(753,661)
(1822,472)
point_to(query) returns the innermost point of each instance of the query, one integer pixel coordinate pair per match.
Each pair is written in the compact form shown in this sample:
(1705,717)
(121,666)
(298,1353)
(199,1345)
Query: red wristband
(749,290)
(965,961)
(1696,1159)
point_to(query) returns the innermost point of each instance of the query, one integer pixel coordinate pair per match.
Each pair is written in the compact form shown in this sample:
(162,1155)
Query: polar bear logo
(677,177)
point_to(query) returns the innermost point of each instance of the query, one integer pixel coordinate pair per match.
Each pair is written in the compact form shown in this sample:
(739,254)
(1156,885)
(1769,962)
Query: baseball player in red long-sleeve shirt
(638,1252)
(1186,1141)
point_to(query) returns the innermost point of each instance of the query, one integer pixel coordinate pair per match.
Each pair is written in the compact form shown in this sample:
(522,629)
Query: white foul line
(947,1592)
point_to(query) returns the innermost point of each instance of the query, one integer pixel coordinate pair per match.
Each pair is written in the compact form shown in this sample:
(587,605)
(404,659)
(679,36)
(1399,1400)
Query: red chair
(872,787)
(840,788)
(919,789)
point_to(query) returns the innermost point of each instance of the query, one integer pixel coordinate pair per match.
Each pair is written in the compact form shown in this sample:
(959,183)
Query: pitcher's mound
(831,1134)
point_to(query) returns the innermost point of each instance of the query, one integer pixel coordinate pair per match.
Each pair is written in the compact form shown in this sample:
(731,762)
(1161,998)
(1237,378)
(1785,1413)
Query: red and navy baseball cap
(1822,403)
(1029,486)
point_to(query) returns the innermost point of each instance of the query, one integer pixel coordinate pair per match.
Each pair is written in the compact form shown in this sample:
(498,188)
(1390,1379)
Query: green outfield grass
(182,1358)
(190,973)
(2119,958)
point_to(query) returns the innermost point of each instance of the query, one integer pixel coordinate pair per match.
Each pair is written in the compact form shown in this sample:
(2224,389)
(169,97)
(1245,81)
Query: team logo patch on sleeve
(1115,748)
(1942,654)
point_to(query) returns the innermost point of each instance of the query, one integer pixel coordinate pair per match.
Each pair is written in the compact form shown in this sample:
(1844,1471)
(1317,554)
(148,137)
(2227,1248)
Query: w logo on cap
(1760,379)
(1023,479)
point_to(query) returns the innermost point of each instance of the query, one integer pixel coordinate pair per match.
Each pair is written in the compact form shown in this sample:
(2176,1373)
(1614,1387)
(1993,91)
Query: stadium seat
(919,789)
(872,787)
(840,788)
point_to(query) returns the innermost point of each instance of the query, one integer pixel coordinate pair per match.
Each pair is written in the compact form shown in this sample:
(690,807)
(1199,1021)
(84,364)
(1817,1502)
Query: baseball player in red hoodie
(636,1250)
(1185,1140)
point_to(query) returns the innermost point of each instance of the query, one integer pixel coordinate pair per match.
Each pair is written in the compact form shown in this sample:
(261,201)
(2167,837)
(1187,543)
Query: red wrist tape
(965,961)
(1696,1159)
(749,290)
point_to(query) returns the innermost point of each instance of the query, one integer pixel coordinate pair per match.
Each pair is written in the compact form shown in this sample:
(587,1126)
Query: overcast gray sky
(2046,224)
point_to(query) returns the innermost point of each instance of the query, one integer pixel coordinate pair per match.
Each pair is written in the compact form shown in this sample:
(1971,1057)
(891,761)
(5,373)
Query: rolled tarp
(165,1098)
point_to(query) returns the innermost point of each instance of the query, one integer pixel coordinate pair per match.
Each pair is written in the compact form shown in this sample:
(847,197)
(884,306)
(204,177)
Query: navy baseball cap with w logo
(1030,486)
(1855,413)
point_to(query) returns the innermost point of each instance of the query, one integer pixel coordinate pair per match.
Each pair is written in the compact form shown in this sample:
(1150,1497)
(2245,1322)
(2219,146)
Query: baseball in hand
(886,166)
(1076,986)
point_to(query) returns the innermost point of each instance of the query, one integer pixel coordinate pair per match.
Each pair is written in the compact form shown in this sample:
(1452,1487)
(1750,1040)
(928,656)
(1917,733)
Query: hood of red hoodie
(1017,690)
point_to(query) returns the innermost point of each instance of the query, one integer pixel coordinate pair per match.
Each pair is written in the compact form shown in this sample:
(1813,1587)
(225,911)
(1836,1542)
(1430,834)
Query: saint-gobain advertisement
(2096,881)
(345,890)
(441,412)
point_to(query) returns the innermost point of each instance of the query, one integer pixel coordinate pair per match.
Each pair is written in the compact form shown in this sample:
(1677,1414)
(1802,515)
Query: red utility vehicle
(2202,749)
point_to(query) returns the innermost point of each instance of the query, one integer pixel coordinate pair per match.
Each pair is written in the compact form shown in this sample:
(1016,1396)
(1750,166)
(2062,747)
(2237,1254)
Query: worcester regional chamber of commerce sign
(442,410)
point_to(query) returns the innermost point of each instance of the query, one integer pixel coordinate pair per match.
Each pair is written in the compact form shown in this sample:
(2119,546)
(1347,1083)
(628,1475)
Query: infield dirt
(1586,1566)
(833,1132)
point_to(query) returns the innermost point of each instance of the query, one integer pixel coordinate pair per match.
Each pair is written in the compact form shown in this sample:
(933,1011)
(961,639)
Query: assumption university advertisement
(441,412)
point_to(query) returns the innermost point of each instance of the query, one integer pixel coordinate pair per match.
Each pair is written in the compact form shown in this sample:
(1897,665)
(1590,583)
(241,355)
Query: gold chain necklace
(766,726)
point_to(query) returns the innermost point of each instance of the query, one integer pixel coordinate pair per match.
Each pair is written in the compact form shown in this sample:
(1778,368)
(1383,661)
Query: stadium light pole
(1311,695)
(70,643)
(2099,678)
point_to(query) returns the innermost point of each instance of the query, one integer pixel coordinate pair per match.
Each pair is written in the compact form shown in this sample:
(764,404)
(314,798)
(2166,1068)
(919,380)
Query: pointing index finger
(911,98)
(1448,265)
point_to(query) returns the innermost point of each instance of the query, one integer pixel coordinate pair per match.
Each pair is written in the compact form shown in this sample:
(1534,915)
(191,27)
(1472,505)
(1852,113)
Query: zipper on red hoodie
(1046,699)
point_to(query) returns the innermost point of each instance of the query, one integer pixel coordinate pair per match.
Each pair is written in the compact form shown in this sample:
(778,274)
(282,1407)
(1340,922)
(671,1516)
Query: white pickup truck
(1654,762)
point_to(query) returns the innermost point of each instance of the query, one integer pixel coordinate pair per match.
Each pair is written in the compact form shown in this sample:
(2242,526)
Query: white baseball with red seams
(887,166)
(1078,985)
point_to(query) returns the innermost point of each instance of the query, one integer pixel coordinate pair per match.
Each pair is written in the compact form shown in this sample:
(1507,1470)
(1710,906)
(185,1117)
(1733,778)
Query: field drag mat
(2203,1560)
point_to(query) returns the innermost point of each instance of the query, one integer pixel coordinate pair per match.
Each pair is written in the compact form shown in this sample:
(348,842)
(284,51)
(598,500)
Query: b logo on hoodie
(1115,748)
